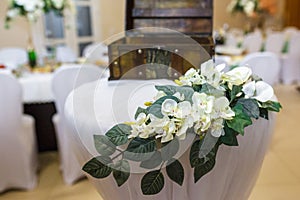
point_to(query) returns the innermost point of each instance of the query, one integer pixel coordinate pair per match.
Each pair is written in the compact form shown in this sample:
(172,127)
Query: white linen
(65,79)
(18,147)
(95,107)
(37,87)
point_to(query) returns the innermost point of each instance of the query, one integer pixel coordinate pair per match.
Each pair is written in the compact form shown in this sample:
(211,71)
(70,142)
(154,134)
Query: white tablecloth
(37,87)
(95,107)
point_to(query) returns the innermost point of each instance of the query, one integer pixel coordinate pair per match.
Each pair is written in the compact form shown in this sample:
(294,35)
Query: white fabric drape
(96,107)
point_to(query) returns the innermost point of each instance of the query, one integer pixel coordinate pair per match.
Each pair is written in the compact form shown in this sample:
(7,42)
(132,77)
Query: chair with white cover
(290,70)
(65,54)
(233,176)
(65,79)
(253,42)
(264,64)
(275,42)
(18,146)
(290,31)
(12,57)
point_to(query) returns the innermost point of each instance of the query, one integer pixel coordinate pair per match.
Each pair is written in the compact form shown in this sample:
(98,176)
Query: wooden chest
(144,54)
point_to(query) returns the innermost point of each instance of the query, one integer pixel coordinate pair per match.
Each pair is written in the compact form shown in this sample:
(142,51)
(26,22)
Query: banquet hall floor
(279,178)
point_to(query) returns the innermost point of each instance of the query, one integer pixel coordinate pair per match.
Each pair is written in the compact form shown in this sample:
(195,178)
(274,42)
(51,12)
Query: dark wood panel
(291,13)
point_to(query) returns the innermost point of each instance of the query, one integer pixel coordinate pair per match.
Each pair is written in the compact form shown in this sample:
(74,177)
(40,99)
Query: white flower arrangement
(33,9)
(209,104)
(249,7)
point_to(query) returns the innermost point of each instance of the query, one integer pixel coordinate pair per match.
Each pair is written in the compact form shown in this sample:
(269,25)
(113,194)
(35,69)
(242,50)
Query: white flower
(212,73)
(216,128)
(222,109)
(237,76)
(202,103)
(260,91)
(168,107)
(191,77)
(58,3)
(13,13)
(249,8)
(183,110)
(202,124)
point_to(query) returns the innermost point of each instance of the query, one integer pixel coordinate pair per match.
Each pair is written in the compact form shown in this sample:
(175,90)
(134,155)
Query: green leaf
(155,110)
(194,153)
(272,106)
(139,111)
(250,106)
(98,167)
(152,182)
(153,162)
(187,91)
(118,134)
(202,165)
(169,149)
(162,99)
(240,121)
(235,90)
(175,171)
(210,90)
(229,138)
(203,169)
(140,149)
(121,171)
(103,145)
(263,112)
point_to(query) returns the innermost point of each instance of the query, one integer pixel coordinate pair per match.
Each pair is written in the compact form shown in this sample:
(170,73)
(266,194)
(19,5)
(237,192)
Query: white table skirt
(37,87)
(95,107)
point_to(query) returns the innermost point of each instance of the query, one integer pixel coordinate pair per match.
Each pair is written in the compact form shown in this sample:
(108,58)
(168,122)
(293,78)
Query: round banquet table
(95,107)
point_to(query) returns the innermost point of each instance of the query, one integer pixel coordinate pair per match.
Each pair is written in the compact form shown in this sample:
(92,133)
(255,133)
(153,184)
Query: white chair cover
(12,57)
(96,107)
(290,72)
(253,42)
(96,53)
(65,54)
(18,147)
(274,42)
(264,64)
(65,79)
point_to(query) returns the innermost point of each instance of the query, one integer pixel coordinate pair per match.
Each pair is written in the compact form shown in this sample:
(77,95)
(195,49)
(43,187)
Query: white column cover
(95,107)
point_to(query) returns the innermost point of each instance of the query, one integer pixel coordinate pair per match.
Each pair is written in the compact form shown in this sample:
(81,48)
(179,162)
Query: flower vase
(31,53)
(32,58)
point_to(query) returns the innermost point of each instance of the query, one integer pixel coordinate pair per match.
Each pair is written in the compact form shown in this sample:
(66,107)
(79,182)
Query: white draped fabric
(37,87)
(65,79)
(95,107)
(18,147)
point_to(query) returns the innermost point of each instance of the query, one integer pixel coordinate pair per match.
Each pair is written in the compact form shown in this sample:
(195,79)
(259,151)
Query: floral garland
(212,106)
(33,9)
(249,7)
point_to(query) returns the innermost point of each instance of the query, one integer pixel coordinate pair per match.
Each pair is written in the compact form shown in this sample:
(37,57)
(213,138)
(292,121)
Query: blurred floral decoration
(209,105)
(33,9)
(257,11)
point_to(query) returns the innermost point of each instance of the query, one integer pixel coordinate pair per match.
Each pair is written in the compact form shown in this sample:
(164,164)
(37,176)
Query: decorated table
(95,108)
